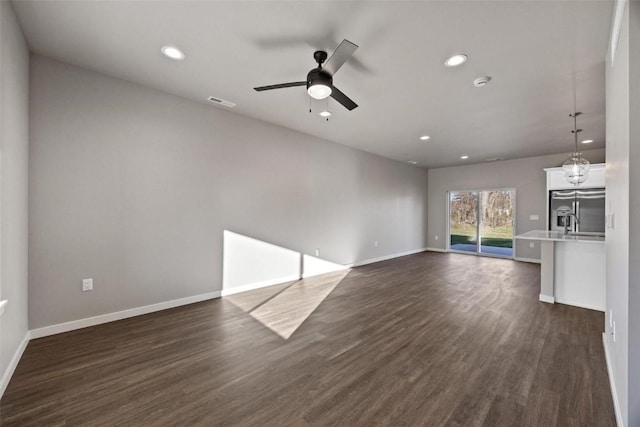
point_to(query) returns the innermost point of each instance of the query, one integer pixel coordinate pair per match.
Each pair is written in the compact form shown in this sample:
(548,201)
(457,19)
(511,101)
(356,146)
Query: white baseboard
(612,382)
(533,260)
(587,306)
(6,377)
(436,250)
(386,257)
(547,298)
(119,315)
(258,285)
(263,284)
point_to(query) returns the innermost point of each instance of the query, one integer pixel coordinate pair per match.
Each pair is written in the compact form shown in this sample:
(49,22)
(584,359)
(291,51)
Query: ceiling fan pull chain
(327,109)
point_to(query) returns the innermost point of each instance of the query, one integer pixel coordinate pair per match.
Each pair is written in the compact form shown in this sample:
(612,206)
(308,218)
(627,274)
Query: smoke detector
(482,81)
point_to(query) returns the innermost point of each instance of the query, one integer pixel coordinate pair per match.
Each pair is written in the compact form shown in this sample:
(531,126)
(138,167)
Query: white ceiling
(535,51)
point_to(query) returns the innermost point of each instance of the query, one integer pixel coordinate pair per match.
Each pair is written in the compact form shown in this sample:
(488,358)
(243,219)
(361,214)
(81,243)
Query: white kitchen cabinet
(556,180)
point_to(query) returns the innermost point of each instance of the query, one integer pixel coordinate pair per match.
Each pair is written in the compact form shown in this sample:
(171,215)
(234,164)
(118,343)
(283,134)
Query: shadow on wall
(294,284)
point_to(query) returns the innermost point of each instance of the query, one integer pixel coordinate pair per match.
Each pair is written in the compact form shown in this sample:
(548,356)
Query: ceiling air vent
(223,102)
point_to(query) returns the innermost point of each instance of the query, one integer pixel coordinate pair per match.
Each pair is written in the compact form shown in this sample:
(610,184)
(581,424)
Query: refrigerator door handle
(577,217)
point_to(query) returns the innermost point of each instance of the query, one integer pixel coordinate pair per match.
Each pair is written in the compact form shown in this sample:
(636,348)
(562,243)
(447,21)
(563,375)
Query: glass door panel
(496,222)
(463,221)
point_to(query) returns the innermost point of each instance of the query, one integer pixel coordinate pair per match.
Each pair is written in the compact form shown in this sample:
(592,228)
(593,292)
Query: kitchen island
(572,268)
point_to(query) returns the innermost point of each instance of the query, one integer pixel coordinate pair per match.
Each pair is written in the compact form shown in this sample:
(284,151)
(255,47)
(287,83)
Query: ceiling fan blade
(280,86)
(343,52)
(342,99)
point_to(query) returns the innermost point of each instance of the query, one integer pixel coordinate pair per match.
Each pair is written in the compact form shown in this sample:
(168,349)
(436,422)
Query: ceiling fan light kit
(319,91)
(319,82)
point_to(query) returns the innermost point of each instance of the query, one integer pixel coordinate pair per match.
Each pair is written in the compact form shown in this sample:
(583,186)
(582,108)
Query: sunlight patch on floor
(283,308)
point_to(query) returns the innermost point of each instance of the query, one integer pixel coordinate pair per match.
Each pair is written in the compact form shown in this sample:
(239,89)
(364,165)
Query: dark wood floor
(428,339)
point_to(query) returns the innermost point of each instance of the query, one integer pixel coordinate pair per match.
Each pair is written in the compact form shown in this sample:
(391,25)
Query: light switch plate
(610,221)
(534,217)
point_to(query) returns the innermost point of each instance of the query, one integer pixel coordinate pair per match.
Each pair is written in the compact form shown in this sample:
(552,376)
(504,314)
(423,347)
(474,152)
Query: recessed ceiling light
(424,137)
(455,60)
(587,141)
(464,157)
(482,81)
(325,113)
(172,52)
(413,162)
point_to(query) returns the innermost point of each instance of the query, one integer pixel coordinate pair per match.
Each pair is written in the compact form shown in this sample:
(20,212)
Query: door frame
(479,222)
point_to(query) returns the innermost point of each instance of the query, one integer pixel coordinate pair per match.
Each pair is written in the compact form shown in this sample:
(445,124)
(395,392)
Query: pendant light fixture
(576,167)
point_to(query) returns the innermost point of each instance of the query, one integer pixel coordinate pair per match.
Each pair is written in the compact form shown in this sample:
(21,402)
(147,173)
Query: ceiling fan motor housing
(318,76)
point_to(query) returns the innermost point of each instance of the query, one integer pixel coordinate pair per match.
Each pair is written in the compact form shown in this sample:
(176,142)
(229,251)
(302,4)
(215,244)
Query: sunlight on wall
(279,298)
(249,263)
(312,266)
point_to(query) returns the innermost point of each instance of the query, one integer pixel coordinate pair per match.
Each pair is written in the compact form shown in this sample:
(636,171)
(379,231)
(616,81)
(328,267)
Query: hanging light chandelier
(576,167)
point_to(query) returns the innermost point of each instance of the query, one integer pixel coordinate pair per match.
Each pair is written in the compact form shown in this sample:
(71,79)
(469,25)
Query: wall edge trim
(577,304)
(436,250)
(612,382)
(547,298)
(13,364)
(258,285)
(386,257)
(522,259)
(119,315)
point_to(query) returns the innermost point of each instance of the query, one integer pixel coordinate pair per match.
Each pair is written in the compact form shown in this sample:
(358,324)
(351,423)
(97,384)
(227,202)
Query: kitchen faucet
(568,214)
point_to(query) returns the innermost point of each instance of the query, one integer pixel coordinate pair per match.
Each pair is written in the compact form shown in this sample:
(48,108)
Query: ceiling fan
(320,80)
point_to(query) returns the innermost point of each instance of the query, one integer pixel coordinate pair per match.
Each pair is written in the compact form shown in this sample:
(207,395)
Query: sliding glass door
(482,221)
(463,217)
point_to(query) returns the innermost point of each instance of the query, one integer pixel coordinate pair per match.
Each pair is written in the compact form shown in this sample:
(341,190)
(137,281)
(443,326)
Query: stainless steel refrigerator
(586,203)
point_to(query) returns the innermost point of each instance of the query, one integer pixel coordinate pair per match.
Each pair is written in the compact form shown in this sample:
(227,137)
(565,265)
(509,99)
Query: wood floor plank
(428,339)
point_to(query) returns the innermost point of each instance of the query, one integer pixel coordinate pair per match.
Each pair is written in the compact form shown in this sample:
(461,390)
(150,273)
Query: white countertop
(558,236)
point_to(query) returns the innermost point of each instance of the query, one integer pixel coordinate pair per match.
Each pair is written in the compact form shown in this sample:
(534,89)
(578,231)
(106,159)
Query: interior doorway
(482,222)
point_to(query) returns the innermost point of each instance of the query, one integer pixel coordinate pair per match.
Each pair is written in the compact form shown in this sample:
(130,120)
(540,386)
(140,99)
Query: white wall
(134,188)
(623,202)
(14,142)
(634,219)
(525,175)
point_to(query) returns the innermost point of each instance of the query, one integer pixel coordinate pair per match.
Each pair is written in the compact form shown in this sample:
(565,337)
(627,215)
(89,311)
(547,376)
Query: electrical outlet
(436,237)
(532,244)
(534,217)
(375,244)
(87,285)
(317,252)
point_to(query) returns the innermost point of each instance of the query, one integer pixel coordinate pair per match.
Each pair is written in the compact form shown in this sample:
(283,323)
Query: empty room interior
(301,213)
